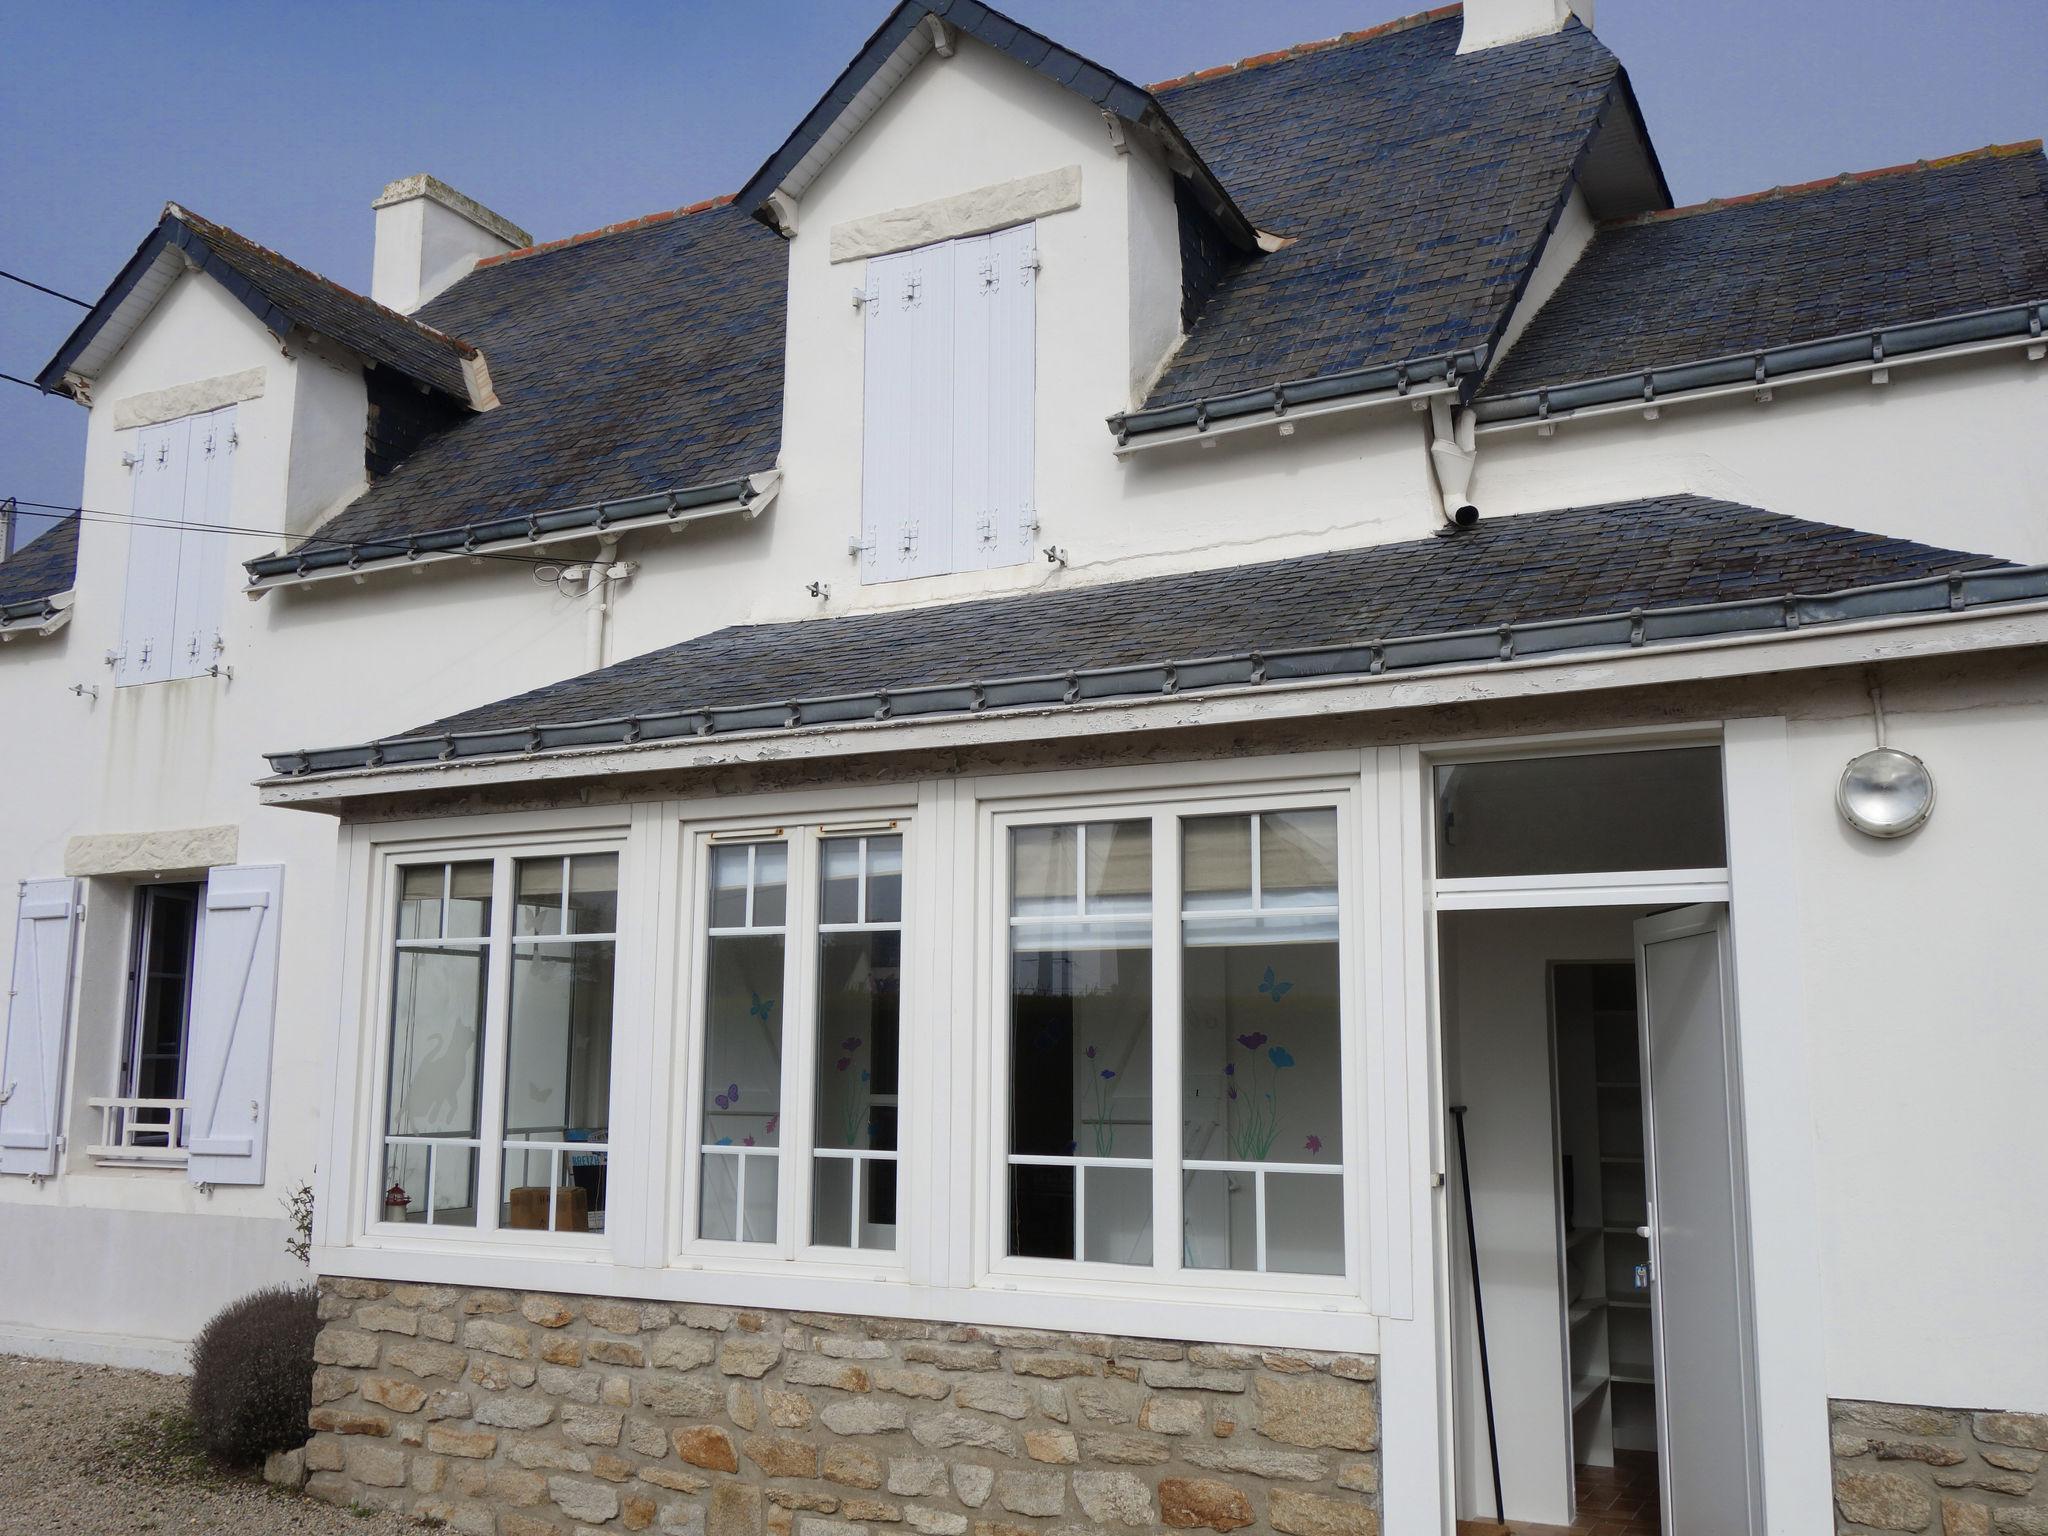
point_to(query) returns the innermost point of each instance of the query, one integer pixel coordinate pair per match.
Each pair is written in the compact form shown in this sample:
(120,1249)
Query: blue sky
(285,120)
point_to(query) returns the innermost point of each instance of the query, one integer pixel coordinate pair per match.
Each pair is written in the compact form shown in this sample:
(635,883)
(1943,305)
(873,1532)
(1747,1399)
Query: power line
(24,383)
(95,515)
(39,288)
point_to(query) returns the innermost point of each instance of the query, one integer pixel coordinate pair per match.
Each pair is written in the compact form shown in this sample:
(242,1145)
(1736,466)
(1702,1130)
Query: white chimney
(429,235)
(1489,23)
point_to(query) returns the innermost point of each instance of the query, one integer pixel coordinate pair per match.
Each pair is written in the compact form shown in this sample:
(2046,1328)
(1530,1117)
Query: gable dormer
(986,237)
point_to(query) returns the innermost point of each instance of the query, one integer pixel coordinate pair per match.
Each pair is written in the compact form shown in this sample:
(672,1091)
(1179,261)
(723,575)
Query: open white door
(1698,1234)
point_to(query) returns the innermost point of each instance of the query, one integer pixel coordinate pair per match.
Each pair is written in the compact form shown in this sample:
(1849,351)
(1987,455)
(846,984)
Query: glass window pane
(1304,1224)
(436,1023)
(558,1070)
(1042,1211)
(1581,814)
(839,880)
(1261,1047)
(730,866)
(1042,870)
(469,901)
(1118,866)
(885,879)
(594,893)
(771,884)
(553,1190)
(419,900)
(1081,1036)
(1220,1212)
(858,999)
(744,996)
(832,1181)
(430,1182)
(1118,1221)
(1216,862)
(537,897)
(1298,859)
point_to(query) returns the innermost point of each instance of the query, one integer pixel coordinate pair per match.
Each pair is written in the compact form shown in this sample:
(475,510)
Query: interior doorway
(1589,1052)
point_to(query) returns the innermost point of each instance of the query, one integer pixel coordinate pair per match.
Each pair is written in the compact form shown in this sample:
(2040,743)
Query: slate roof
(281,294)
(1416,185)
(40,569)
(645,358)
(1794,264)
(1651,556)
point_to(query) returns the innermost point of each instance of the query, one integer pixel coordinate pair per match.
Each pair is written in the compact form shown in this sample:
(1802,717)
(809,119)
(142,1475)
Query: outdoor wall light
(1885,792)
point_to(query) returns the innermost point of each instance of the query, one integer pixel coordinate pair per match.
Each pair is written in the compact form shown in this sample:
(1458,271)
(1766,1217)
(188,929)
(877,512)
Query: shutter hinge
(1028,263)
(985,525)
(913,289)
(906,537)
(991,275)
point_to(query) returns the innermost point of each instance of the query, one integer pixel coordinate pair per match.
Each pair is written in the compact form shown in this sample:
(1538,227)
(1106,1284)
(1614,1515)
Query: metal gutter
(47,614)
(750,495)
(1861,351)
(1276,401)
(1363,659)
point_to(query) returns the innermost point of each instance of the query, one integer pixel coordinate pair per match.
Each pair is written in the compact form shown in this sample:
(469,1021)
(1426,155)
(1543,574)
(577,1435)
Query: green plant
(252,1374)
(298,1205)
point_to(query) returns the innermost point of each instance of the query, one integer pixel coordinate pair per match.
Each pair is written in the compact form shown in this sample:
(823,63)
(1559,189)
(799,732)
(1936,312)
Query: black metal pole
(1479,1314)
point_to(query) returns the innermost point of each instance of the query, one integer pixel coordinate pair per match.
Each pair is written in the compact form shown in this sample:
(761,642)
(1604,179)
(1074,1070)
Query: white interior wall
(1496,988)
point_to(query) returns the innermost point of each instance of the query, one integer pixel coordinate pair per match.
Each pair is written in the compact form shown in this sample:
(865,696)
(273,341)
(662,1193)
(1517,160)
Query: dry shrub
(252,1374)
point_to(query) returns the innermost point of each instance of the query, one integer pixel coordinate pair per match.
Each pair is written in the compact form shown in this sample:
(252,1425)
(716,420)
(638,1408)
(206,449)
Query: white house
(763,751)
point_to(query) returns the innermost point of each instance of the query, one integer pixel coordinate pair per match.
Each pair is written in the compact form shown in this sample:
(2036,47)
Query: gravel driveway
(84,1452)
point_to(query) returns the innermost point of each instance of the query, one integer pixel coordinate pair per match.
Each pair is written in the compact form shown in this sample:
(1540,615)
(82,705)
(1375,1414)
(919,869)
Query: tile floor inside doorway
(1620,1500)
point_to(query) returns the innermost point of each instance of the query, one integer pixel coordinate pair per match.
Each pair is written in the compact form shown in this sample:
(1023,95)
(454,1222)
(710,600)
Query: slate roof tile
(43,567)
(646,358)
(1796,264)
(1663,552)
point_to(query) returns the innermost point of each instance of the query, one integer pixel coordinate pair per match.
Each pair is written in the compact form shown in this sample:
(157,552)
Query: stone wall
(1955,1471)
(507,1414)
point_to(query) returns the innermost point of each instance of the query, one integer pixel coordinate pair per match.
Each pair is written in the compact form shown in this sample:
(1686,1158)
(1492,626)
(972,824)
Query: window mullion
(799,1040)
(496,1034)
(1167,1132)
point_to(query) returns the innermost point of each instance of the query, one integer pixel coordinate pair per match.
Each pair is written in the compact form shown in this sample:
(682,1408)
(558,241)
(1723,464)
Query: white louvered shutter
(149,612)
(203,549)
(907,416)
(234,1011)
(38,1006)
(994,392)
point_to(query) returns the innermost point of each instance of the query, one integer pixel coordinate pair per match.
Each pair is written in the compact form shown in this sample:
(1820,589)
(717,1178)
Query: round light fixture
(1885,793)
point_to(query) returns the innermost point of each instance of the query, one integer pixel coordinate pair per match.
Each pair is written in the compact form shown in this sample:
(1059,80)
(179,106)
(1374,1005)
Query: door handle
(1642,1231)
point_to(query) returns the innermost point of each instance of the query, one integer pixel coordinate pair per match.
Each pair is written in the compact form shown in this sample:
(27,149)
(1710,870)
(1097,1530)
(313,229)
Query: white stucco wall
(1949,453)
(1929,1060)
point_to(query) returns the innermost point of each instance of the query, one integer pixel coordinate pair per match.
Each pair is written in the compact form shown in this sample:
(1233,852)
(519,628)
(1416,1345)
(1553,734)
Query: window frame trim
(810,822)
(1167,803)
(501,849)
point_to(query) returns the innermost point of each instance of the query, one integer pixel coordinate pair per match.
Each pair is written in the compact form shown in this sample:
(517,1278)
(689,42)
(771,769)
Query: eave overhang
(175,247)
(747,496)
(36,615)
(1861,352)
(1415,379)
(913,30)
(1609,643)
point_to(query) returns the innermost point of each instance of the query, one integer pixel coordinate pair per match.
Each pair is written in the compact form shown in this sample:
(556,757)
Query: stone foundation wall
(1955,1471)
(505,1414)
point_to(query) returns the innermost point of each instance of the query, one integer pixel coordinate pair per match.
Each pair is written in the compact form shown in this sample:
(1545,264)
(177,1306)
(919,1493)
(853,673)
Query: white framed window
(1176,1032)
(949,402)
(178,548)
(795,1091)
(497,1088)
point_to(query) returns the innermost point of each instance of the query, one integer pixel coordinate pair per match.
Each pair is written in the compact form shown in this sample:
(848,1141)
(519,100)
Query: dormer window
(950,395)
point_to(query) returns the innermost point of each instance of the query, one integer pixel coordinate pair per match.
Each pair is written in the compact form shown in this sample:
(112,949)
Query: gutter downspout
(599,577)
(1453,452)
